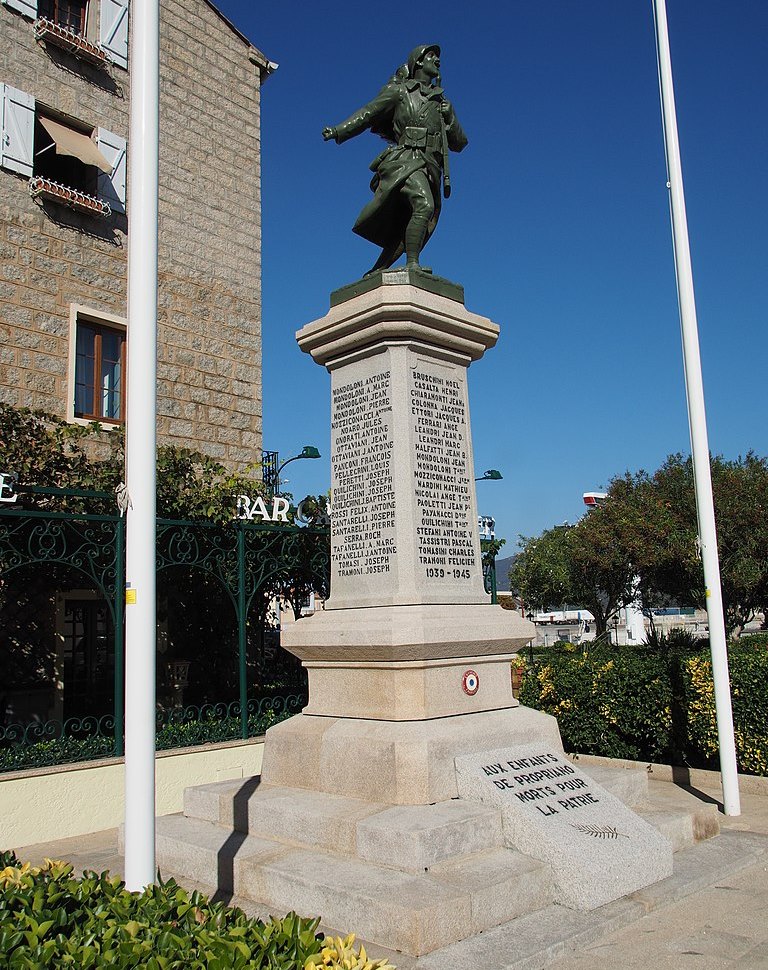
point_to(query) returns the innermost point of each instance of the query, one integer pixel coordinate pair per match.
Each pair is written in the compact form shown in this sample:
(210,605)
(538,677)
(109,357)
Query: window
(97,367)
(67,161)
(65,13)
(99,373)
(67,24)
(73,15)
(67,154)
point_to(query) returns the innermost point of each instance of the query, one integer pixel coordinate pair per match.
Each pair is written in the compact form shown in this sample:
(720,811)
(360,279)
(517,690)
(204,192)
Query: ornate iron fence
(45,743)
(247,560)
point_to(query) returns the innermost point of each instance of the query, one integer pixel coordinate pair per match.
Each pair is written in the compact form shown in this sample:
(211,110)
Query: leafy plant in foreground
(49,918)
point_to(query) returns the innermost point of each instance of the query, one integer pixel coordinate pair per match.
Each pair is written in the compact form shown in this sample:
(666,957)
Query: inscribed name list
(445,524)
(598,848)
(363,521)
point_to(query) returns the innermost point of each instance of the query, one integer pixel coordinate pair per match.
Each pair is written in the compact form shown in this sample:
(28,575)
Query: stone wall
(209,367)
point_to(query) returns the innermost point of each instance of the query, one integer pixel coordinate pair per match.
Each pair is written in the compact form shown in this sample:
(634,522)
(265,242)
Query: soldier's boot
(415,240)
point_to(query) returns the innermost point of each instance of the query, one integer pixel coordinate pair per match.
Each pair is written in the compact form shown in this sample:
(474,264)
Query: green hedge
(16,756)
(653,703)
(48,918)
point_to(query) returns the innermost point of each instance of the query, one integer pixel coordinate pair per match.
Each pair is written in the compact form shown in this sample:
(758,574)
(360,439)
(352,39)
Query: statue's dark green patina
(412,113)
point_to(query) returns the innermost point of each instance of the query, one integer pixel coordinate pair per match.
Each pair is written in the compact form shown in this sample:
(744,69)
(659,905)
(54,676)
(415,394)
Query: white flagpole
(697,421)
(140,620)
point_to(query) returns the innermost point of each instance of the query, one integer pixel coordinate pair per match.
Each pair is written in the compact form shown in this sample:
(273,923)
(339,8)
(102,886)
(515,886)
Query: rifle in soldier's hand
(444,108)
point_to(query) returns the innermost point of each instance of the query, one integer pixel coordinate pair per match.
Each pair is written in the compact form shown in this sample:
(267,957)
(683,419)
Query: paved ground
(723,926)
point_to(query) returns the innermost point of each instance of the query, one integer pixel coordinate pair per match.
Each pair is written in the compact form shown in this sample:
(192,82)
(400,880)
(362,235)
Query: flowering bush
(653,703)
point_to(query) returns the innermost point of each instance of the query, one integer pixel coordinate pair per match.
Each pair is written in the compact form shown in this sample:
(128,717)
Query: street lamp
(271,469)
(487,524)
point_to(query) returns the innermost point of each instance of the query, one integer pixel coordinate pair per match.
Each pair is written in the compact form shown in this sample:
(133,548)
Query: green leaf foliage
(41,449)
(641,543)
(653,703)
(582,564)
(49,918)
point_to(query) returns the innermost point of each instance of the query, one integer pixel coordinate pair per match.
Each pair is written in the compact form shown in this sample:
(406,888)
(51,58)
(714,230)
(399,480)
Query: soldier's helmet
(417,54)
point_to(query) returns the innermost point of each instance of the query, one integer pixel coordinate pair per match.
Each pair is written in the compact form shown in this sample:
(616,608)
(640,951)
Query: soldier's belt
(413,137)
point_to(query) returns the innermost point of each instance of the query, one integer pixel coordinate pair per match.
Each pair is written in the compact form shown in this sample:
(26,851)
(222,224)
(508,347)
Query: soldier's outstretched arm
(363,119)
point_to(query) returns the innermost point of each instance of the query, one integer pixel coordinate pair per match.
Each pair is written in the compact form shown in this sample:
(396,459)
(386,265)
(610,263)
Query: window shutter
(27,7)
(113,32)
(112,187)
(17,138)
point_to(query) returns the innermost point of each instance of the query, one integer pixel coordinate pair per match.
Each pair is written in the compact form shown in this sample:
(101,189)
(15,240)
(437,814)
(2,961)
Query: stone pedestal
(408,633)
(413,802)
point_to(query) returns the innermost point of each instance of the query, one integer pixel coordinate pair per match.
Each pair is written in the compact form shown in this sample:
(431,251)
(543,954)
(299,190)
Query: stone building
(63,226)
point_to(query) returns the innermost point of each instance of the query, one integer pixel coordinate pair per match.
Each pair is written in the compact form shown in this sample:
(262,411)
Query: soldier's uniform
(407,174)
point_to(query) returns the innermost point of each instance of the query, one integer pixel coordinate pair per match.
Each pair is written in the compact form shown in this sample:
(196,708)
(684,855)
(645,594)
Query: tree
(641,544)
(41,449)
(665,546)
(581,564)
(540,575)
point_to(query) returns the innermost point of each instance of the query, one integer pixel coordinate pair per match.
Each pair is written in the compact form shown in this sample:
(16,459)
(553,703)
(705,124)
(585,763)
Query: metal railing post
(242,625)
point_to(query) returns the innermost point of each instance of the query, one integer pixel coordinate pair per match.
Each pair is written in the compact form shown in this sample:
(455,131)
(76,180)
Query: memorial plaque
(446,522)
(403,511)
(363,503)
(598,848)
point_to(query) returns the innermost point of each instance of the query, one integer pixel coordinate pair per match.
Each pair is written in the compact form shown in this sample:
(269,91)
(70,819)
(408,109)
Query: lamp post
(272,469)
(491,475)
(489,557)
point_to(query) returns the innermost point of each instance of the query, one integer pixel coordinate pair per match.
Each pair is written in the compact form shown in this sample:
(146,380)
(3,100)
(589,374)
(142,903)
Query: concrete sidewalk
(722,925)
(725,925)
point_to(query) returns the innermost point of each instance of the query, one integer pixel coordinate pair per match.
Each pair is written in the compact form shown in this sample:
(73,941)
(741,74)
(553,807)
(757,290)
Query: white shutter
(113,30)
(27,7)
(112,187)
(17,137)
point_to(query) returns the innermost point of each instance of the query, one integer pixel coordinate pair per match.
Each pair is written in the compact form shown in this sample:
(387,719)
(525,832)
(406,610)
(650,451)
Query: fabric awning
(71,142)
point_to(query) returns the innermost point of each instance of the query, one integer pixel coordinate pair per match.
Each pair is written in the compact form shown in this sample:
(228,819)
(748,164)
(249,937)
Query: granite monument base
(408,663)
(362,823)
(399,762)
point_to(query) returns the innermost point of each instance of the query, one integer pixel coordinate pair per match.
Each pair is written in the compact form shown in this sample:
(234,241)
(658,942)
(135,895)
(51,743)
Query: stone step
(412,912)
(403,911)
(206,801)
(411,837)
(629,786)
(531,941)
(291,815)
(503,884)
(206,852)
(679,815)
(535,941)
(414,838)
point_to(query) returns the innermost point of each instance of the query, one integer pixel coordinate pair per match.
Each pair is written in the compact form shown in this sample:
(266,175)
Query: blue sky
(558,226)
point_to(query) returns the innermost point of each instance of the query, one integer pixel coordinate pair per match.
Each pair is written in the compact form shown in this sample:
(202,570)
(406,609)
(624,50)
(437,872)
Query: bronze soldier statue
(412,113)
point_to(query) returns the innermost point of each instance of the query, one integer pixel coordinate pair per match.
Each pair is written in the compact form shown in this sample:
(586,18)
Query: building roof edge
(266,67)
